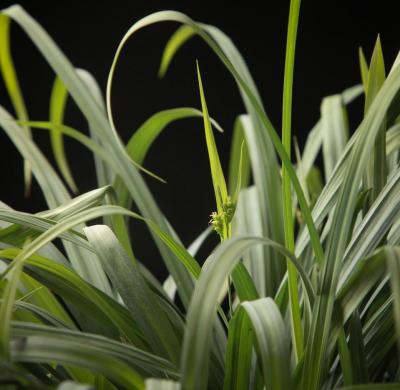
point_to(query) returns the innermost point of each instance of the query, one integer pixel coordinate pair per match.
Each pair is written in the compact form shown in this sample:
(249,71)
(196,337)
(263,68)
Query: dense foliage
(302,292)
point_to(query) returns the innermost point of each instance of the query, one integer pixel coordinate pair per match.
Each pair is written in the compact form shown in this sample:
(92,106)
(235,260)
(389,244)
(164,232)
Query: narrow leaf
(12,84)
(58,100)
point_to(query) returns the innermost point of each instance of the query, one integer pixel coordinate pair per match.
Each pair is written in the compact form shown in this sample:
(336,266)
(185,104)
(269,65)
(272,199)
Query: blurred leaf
(12,85)
(393,263)
(357,350)
(69,385)
(79,354)
(6,310)
(58,100)
(239,352)
(373,386)
(239,161)
(363,68)
(334,131)
(161,384)
(105,175)
(61,129)
(376,174)
(180,36)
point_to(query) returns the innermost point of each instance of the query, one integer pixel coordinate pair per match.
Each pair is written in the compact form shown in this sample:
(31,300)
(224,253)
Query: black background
(89,32)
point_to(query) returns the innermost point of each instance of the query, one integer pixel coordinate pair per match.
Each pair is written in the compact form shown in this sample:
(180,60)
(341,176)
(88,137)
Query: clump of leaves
(311,269)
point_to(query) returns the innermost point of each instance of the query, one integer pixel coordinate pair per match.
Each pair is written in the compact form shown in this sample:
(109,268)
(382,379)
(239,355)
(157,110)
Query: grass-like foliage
(302,292)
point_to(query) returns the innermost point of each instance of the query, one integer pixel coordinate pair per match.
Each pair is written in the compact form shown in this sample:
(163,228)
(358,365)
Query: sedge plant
(308,261)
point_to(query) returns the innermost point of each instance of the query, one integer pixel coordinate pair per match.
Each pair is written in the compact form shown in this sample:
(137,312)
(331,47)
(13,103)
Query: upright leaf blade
(297,330)
(334,131)
(376,174)
(238,352)
(218,178)
(363,68)
(393,263)
(315,363)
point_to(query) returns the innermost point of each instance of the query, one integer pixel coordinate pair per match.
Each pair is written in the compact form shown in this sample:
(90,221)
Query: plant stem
(297,331)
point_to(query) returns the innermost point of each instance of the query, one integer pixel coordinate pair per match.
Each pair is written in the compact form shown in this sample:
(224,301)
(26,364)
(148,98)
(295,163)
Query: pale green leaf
(93,112)
(161,384)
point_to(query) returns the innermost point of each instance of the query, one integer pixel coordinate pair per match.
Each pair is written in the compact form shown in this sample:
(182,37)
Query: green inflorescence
(221,220)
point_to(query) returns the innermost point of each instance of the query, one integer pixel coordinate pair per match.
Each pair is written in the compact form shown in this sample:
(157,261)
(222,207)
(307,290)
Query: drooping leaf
(181,35)
(93,112)
(225,50)
(142,139)
(272,341)
(67,352)
(55,194)
(106,315)
(126,278)
(61,129)
(143,362)
(12,85)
